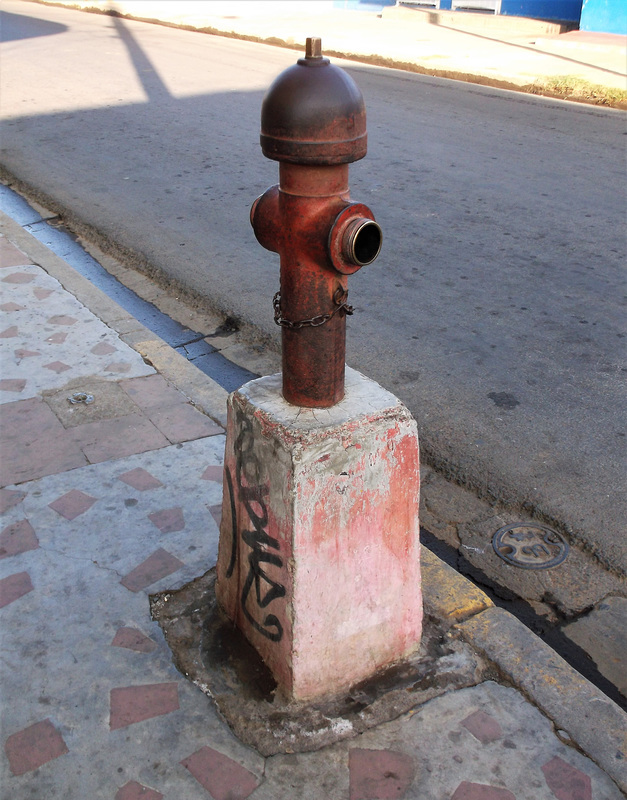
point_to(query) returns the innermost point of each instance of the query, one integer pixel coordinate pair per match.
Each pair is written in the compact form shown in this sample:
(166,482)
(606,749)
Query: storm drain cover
(529,546)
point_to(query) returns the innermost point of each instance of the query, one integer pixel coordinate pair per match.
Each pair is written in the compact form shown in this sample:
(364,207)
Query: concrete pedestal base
(318,562)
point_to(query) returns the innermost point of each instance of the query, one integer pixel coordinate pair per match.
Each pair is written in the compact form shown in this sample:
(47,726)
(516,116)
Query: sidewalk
(107,502)
(513,52)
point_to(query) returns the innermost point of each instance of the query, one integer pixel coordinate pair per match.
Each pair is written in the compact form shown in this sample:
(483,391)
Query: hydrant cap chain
(314,113)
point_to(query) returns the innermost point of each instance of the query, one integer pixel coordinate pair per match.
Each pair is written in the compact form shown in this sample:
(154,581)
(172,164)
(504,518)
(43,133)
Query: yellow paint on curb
(448,595)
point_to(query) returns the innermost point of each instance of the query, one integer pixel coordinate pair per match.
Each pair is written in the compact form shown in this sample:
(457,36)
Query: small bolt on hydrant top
(313,122)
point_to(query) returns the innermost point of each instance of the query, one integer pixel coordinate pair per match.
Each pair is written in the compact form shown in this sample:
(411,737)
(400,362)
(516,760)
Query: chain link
(341,306)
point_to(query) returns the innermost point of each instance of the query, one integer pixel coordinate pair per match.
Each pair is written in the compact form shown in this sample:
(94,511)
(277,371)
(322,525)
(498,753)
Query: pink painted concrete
(324,548)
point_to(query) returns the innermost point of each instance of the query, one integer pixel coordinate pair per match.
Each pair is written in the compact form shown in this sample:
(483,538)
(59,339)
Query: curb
(584,716)
(577,708)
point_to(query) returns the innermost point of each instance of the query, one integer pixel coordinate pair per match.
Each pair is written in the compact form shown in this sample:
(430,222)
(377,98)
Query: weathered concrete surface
(448,596)
(603,634)
(589,718)
(508,759)
(319,560)
(214,655)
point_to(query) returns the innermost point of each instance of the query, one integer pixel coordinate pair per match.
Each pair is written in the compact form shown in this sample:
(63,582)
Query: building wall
(604,16)
(568,10)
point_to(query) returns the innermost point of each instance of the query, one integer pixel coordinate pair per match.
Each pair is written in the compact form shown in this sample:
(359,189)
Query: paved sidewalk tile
(34,746)
(132,704)
(157,566)
(33,443)
(17,538)
(10,255)
(220,775)
(13,587)
(133,639)
(47,337)
(116,438)
(135,791)
(379,774)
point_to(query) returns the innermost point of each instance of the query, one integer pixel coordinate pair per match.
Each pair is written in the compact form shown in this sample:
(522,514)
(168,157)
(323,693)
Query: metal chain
(339,298)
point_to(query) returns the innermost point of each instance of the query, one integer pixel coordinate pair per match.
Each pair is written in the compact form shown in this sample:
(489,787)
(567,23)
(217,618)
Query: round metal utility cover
(313,113)
(530,546)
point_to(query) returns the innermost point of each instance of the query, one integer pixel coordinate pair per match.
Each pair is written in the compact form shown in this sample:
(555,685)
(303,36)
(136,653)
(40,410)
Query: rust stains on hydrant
(313,122)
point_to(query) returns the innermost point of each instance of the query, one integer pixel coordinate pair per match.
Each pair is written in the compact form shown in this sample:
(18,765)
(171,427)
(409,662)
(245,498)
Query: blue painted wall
(363,5)
(568,10)
(604,16)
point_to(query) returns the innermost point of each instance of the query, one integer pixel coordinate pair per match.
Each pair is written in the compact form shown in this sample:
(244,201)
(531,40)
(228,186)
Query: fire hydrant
(319,554)
(313,122)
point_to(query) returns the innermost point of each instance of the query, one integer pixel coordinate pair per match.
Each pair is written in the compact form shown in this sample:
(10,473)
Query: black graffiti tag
(252,494)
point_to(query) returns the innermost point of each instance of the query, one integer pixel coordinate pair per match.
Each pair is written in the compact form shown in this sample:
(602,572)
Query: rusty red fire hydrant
(313,122)
(319,556)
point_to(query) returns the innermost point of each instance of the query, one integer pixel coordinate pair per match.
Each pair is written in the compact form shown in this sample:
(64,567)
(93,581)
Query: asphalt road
(495,311)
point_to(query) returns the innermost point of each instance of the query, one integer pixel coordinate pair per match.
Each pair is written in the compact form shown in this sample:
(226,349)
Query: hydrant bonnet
(313,113)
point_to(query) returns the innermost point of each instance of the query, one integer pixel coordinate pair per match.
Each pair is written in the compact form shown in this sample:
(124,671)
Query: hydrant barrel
(313,122)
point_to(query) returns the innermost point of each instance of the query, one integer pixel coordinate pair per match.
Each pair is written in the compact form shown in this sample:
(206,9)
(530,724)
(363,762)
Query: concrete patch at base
(209,650)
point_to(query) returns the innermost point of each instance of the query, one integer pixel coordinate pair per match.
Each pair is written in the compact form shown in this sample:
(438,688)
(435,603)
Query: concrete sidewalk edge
(204,393)
(580,712)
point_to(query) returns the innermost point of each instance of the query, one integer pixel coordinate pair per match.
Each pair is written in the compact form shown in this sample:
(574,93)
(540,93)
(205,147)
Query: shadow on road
(18,26)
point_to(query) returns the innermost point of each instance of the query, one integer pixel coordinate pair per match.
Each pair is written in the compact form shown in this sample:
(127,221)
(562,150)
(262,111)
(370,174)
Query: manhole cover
(530,546)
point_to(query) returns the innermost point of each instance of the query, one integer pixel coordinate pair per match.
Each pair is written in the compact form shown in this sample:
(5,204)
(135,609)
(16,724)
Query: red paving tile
(10,256)
(216,513)
(140,479)
(182,423)
(72,504)
(34,746)
(10,498)
(42,294)
(213,473)
(57,338)
(34,443)
(57,366)
(9,333)
(12,384)
(379,774)
(169,520)
(20,354)
(17,538)
(62,319)
(136,791)
(479,791)
(13,587)
(119,437)
(567,782)
(222,777)
(11,307)
(132,639)
(157,566)
(103,349)
(132,704)
(152,392)
(121,367)
(483,727)
(19,277)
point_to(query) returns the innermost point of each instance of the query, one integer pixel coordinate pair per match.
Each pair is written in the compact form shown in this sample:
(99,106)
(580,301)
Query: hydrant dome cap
(313,113)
